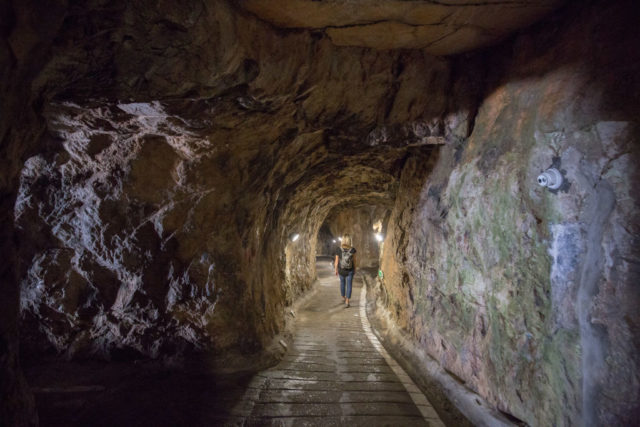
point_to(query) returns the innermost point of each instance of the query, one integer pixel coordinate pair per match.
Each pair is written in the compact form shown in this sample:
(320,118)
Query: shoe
(348,305)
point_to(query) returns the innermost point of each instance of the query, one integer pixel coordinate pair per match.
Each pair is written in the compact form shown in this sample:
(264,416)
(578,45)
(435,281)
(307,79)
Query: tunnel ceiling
(286,115)
(439,27)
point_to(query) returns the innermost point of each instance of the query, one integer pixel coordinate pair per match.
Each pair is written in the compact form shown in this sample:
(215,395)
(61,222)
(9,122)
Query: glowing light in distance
(379,237)
(334,240)
(340,238)
(295,237)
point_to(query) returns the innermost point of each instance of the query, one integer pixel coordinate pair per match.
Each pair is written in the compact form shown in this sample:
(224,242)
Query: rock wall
(191,143)
(325,241)
(171,151)
(530,296)
(25,43)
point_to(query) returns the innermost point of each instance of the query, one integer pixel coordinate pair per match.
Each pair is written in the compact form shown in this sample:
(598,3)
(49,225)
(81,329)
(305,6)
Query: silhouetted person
(345,266)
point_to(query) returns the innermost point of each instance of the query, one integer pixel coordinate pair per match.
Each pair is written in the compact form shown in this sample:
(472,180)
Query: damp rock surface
(157,160)
(511,286)
(158,222)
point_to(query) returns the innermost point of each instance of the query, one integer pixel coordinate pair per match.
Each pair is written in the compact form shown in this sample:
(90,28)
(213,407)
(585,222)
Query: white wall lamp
(379,237)
(551,178)
(295,237)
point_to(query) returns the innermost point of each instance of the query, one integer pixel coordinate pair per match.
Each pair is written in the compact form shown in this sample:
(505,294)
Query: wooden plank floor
(335,373)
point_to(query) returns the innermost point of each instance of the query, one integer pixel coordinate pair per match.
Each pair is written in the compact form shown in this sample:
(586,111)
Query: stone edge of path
(420,365)
(424,406)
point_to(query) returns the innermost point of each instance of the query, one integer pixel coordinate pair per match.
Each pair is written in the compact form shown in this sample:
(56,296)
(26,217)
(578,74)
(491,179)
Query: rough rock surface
(530,296)
(157,158)
(102,275)
(154,227)
(440,28)
(325,242)
(143,237)
(24,44)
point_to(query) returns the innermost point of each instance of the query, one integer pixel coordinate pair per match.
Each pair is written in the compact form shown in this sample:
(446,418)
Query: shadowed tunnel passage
(157,159)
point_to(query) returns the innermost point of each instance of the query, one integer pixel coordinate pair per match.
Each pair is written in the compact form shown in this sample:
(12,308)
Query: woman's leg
(349,285)
(342,278)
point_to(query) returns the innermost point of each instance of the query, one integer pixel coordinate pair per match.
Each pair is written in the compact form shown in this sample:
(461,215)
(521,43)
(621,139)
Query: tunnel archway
(358,221)
(157,159)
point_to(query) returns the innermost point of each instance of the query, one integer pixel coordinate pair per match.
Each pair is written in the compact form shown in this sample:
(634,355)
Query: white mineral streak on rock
(32,288)
(152,119)
(565,251)
(174,293)
(33,168)
(210,288)
(129,285)
(144,109)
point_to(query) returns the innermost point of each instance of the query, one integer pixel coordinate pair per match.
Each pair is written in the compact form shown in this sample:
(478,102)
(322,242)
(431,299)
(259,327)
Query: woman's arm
(335,263)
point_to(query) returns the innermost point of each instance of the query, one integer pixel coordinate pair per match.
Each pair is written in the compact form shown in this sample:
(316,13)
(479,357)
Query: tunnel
(176,178)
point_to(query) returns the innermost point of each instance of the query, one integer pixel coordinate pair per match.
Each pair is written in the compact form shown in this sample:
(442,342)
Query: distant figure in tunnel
(345,265)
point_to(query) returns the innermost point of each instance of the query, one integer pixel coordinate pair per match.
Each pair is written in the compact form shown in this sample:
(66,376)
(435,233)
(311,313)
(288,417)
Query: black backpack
(346,260)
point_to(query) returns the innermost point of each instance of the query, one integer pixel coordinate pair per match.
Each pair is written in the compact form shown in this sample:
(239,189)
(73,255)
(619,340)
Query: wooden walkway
(335,373)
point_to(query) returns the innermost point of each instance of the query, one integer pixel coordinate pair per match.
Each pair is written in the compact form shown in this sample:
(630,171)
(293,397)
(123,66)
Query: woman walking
(345,265)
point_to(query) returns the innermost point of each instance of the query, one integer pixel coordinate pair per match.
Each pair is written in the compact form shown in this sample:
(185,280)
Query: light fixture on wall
(340,238)
(295,237)
(551,178)
(379,237)
(334,240)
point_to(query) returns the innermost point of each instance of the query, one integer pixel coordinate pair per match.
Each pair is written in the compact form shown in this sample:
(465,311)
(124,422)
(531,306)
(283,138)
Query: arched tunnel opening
(175,180)
(363,223)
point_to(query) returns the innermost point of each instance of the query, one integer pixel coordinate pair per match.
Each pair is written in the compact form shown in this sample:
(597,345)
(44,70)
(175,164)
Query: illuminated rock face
(144,236)
(529,295)
(159,157)
(159,223)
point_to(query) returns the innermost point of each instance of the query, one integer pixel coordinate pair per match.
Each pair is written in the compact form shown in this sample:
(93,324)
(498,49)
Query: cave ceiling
(285,114)
(440,27)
